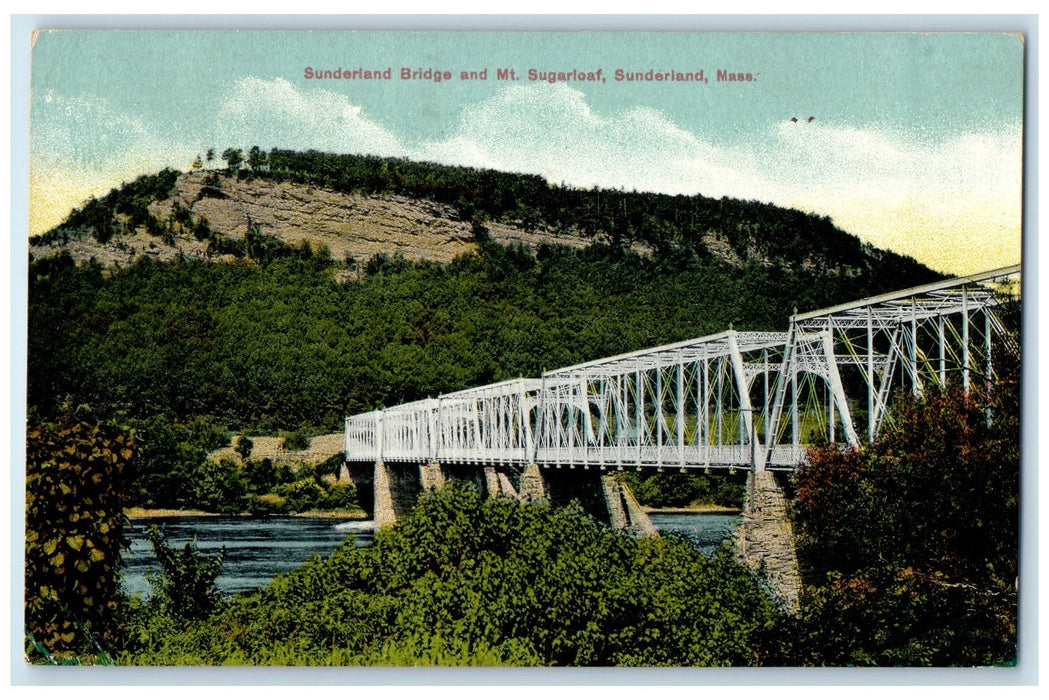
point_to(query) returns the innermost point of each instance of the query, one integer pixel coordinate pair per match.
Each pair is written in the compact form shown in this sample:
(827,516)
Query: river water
(257,549)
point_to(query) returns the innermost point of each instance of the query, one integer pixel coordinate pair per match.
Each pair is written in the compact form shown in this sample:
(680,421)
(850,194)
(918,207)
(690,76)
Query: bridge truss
(737,399)
(843,364)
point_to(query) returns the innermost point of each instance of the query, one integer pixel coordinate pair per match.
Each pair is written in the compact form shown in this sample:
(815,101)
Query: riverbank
(137,513)
(704,509)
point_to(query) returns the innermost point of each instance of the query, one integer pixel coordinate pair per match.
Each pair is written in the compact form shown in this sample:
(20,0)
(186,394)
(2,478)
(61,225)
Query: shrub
(296,440)
(243,446)
(911,543)
(77,483)
(184,587)
(467,580)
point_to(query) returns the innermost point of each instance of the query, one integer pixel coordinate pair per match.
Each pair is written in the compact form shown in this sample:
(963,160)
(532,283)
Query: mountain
(200,213)
(315,286)
(356,207)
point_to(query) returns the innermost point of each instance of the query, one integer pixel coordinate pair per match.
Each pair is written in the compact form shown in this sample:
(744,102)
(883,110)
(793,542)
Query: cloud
(81,147)
(274,113)
(935,199)
(550,130)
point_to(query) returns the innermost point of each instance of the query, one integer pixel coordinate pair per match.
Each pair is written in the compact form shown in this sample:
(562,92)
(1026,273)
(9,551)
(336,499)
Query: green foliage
(234,158)
(212,187)
(219,487)
(257,158)
(184,588)
(244,446)
(472,581)
(280,343)
(77,477)
(911,543)
(99,215)
(172,458)
(674,489)
(296,440)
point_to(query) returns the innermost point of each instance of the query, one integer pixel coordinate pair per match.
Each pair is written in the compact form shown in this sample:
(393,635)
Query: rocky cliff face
(354,225)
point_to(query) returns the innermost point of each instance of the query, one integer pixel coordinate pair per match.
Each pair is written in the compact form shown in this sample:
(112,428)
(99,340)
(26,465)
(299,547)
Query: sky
(911,141)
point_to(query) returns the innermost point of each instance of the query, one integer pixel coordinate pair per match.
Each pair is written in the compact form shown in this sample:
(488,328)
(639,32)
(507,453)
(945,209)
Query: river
(257,549)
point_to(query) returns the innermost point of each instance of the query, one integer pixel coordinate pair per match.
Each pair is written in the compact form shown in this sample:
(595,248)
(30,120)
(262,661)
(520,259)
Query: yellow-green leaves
(76,484)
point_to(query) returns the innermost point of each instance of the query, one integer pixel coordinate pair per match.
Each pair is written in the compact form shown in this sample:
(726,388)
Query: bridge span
(733,400)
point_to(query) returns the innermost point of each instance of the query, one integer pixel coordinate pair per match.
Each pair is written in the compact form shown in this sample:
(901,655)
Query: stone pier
(393,489)
(765,539)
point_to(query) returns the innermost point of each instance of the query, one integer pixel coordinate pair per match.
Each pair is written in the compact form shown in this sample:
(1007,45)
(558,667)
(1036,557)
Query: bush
(243,446)
(911,543)
(296,441)
(219,487)
(77,483)
(184,588)
(266,504)
(302,495)
(467,580)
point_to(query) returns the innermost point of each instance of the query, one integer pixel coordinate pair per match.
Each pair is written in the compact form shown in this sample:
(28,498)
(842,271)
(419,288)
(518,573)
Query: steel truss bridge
(736,399)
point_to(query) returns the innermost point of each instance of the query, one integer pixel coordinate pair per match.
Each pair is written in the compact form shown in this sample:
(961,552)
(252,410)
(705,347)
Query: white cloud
(274,113)
(81,147)
(935,200)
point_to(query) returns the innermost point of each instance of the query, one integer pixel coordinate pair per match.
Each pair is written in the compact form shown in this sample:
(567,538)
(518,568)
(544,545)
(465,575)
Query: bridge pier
(432,476)
(389,491)
(601,495)
(397,488)
(533,485)
(765,539)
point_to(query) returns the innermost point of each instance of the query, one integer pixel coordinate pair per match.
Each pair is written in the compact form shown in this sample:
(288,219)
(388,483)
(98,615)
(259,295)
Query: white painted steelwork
(733,399)
(693,404)
(843,364)
(490,424)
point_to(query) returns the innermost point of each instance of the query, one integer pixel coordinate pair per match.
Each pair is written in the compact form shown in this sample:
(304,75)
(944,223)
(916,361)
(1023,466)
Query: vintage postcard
(450,348)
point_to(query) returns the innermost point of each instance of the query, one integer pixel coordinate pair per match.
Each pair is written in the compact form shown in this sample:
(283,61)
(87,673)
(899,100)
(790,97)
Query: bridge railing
(693,404)
(489,424)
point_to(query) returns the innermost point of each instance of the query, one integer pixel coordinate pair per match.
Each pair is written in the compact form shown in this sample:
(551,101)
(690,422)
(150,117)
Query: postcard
(512,349)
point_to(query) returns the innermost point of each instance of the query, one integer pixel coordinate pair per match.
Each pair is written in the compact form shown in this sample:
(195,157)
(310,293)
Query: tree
(210,155)
(243,446)
(185,586)
(911,543)
(234,158)
(257,158)
(196,165)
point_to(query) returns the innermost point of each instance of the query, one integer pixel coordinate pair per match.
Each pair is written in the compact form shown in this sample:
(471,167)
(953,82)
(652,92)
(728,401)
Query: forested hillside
(261,333)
